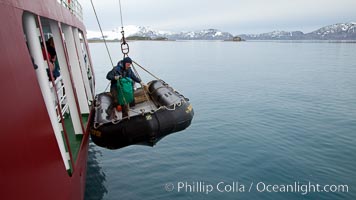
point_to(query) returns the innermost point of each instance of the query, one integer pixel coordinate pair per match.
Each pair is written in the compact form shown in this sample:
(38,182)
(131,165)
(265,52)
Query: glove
(145,87)
(117,77)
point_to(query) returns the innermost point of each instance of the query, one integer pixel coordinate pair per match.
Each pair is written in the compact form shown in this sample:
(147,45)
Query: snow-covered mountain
(274,35)
(209,34)
(341,31)
(130,30)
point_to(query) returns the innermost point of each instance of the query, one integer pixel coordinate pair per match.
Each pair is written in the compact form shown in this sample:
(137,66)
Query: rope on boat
(172,107)
(144,89)
(146,70)
(116,121)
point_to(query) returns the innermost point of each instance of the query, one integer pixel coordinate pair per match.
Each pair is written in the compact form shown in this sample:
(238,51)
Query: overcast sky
(234,16)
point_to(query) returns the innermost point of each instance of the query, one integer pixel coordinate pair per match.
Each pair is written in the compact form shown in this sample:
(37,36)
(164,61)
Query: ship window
(44,41)
(88,76)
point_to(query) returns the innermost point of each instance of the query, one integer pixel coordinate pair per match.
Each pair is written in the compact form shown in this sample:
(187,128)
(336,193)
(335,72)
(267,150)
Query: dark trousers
(113,92)
(125,110)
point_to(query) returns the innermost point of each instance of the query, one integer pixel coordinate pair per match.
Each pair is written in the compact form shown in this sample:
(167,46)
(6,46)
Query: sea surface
(273,120)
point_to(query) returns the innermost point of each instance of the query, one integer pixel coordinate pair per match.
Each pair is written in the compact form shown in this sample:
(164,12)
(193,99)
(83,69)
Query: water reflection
(96,178)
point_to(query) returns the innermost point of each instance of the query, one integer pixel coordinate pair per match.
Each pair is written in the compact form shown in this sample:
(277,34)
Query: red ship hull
(32,166)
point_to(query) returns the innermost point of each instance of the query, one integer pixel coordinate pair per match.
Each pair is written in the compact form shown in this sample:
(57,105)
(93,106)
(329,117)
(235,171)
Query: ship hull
(32,166)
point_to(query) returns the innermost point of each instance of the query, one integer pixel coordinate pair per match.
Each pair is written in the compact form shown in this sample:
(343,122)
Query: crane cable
(101,31)
(124,46)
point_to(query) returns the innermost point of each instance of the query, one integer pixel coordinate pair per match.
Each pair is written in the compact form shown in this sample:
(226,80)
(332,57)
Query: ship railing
(74,7)
(62,97)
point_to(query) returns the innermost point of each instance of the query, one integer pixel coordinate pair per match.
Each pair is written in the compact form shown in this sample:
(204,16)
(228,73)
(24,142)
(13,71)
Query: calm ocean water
(268,116)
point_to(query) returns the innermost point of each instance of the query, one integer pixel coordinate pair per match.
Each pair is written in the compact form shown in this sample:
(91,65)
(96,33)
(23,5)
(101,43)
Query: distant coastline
(130,38)
(340,31)
(280,41)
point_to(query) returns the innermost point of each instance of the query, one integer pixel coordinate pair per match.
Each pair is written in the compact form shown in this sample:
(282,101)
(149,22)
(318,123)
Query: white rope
(175,106)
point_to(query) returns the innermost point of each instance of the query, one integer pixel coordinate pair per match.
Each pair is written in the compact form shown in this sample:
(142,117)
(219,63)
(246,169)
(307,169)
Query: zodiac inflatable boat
(157,113)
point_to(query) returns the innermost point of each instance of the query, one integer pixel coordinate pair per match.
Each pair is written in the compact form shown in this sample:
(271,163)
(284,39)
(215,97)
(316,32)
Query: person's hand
(117,77)
(145,87)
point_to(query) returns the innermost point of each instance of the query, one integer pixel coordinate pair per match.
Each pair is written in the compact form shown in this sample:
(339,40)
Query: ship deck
(74,140)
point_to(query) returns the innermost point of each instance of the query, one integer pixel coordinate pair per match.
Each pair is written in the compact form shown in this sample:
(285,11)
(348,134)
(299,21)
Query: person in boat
(122,72)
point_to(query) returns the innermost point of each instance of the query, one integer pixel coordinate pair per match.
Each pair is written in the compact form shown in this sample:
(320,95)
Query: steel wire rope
(101,31)
(102,35)
(124,45)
